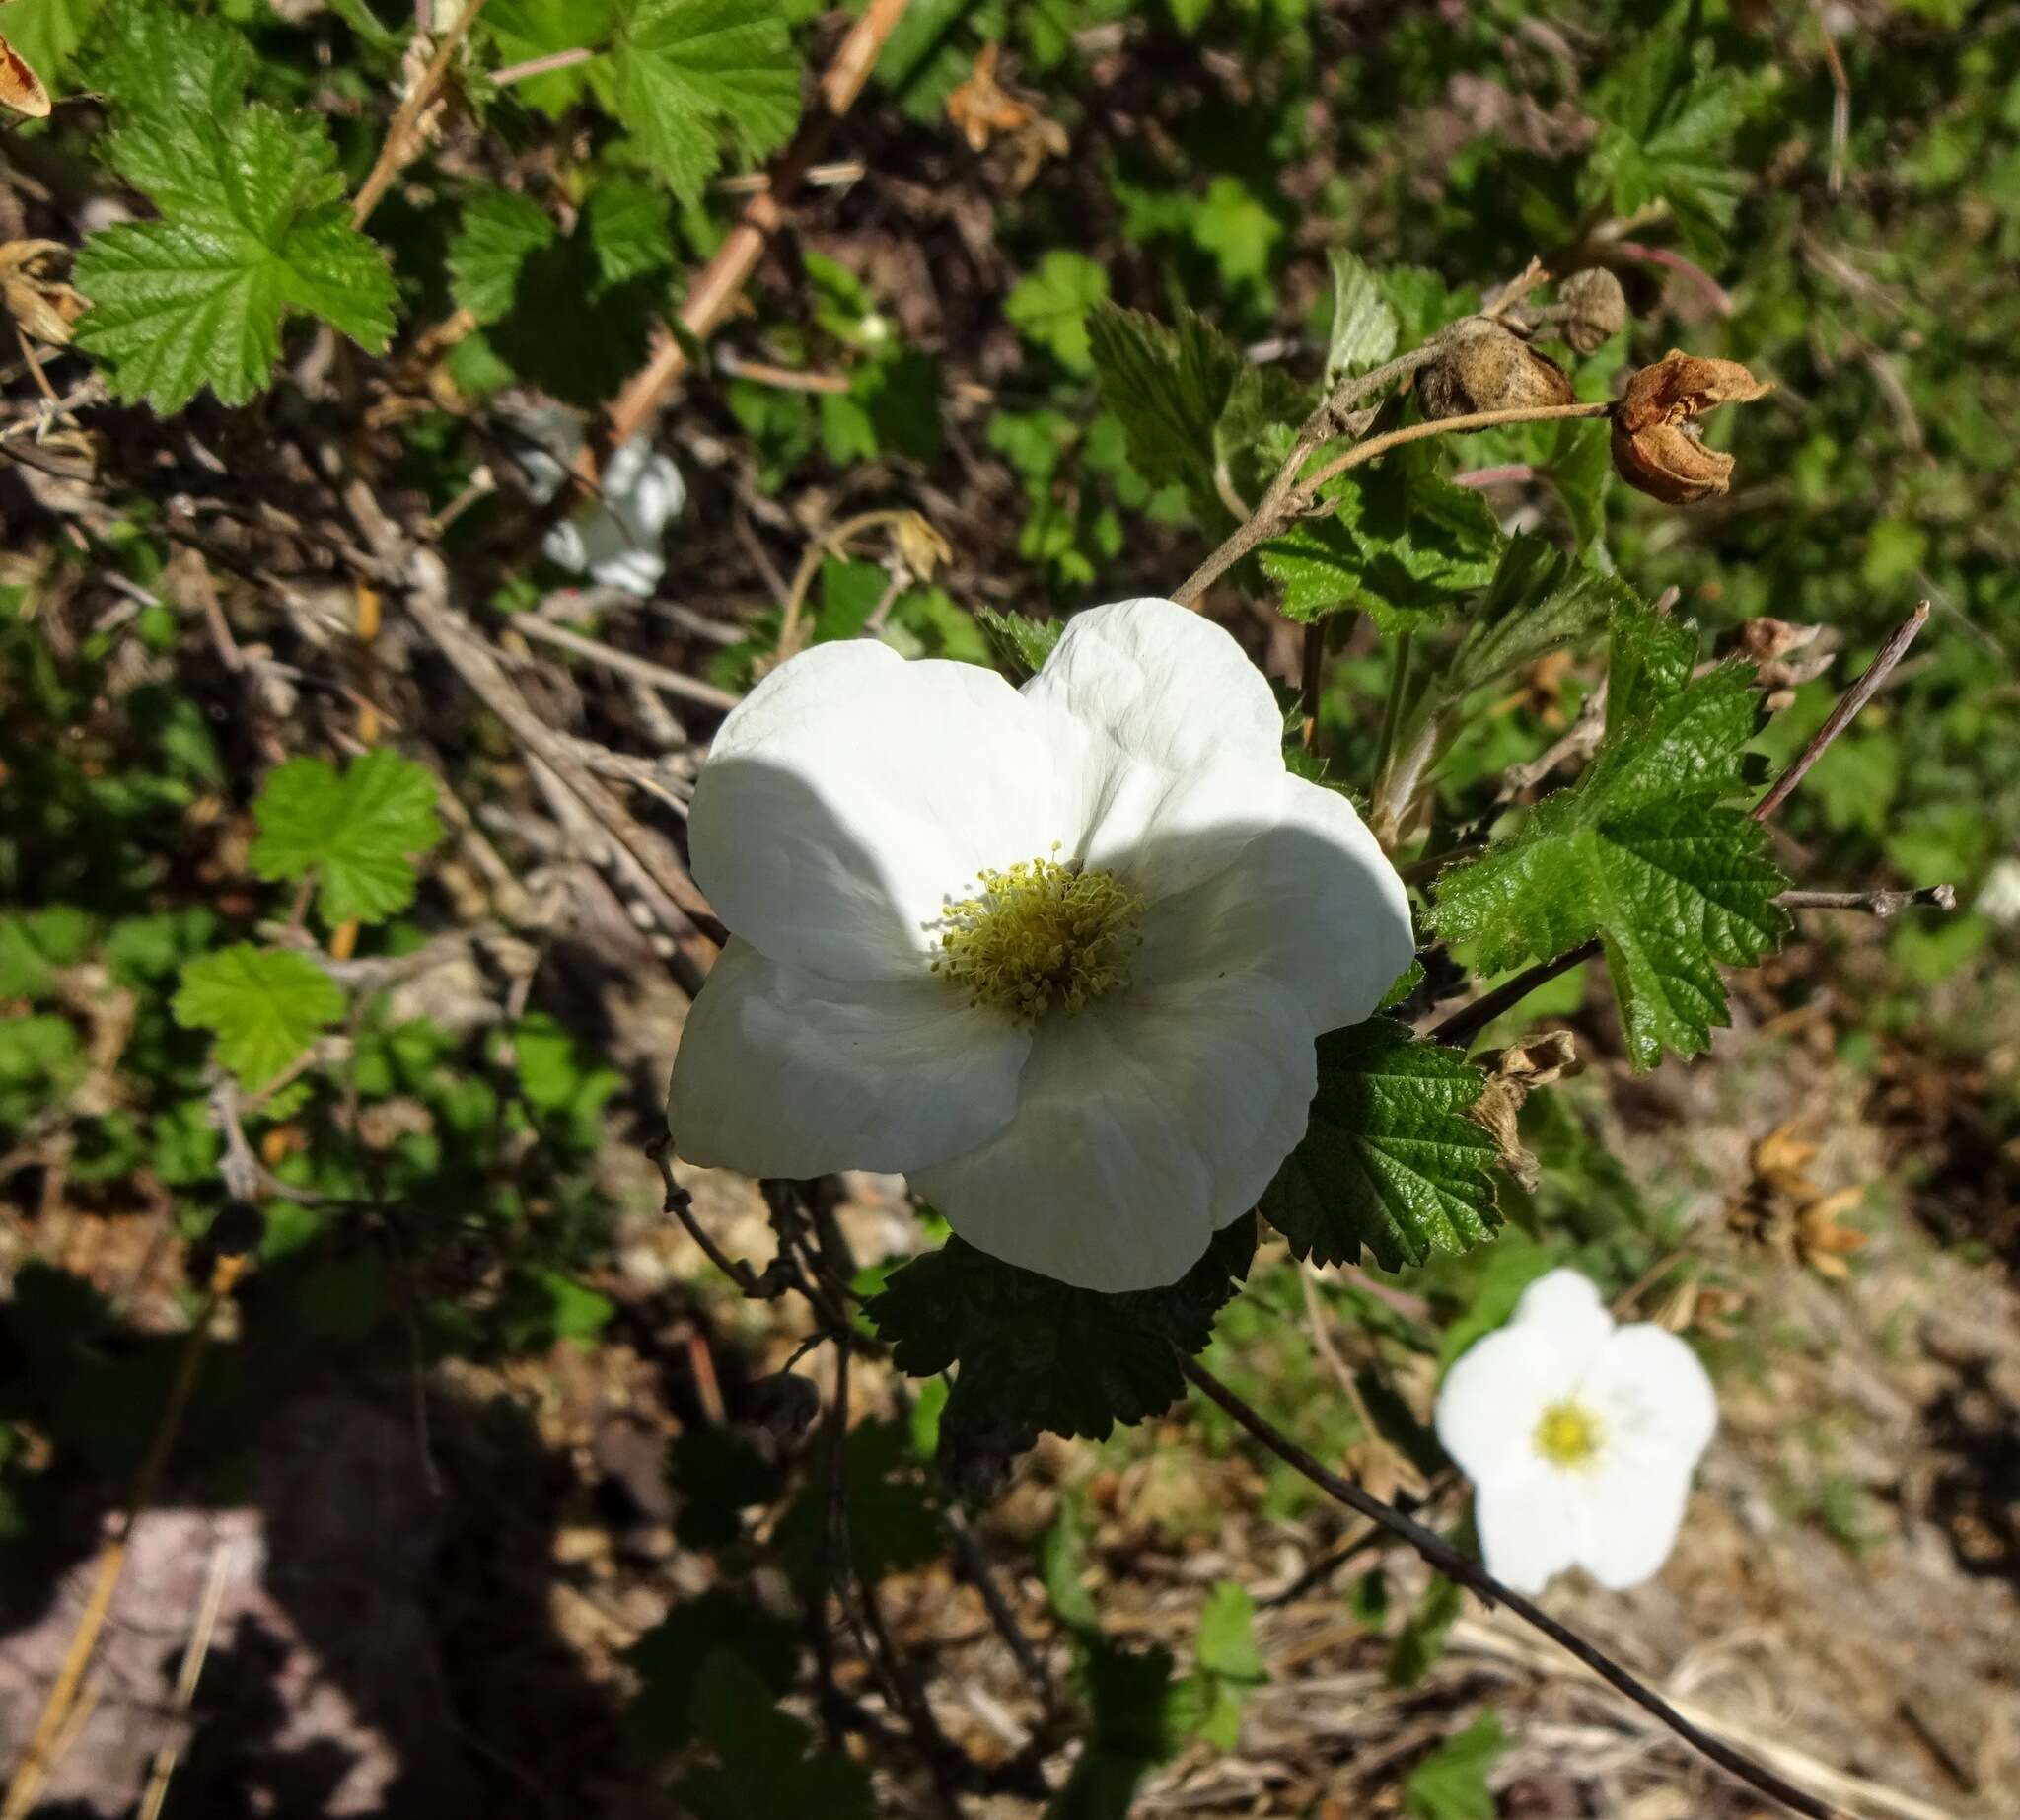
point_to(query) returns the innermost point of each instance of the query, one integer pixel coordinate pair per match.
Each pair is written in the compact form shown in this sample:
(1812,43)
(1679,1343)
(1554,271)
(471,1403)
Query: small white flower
(1579,1436)
(615,541)
(1058,955)
(1998,899)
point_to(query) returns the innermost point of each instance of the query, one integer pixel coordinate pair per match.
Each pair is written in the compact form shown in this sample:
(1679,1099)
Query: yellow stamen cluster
(1568,1434)
(1037,936)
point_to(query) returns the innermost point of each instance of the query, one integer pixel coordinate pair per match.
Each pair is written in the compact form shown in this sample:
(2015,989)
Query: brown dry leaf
(1707,1307)
(1783,1208)
(981,109)
(922,549)
(21,88)
(44,305)
(1384,1471)
(1656,443)
(1784,657)
(1513,1074)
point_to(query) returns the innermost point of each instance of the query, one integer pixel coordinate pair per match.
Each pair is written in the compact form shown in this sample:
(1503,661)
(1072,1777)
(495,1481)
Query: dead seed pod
(1657,445)
(1482,366)
(1590,308)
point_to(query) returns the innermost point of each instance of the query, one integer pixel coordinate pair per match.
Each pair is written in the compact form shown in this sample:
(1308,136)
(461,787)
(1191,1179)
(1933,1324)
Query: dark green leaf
(1451,1783)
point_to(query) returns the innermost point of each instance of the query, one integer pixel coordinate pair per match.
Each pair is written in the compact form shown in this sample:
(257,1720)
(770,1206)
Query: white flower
(1579,1436)
(1998,898)
(615,541)
(1058,955)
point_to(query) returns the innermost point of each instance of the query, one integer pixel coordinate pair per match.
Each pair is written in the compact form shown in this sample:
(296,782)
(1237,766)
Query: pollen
(1568,1434)
(1041,936)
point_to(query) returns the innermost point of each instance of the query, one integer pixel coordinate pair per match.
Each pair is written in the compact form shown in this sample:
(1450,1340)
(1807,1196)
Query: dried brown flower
(1482,367)
(1656,444)
(1591,307)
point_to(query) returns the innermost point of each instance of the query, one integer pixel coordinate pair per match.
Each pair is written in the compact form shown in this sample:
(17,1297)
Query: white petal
(1627,1517)
(1565,1307)
(1312,901)
(1527,1526)
(1142,1125)
(784,1072)
(1165,684)
(852,794)
(1495,1394)
(1649,1388)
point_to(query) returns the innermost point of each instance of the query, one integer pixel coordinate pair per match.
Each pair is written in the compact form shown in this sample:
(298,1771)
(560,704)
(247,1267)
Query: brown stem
(1311,680)
(1848,705)
(1881,904)
(1468,1572)
(399,146)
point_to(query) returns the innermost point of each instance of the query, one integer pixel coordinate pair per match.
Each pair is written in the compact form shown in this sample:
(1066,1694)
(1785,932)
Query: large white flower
(1060,955)
(1579,1436)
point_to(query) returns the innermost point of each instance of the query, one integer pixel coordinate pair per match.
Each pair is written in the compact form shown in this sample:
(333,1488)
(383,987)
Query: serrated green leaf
(1580,468)
(1402,545)
(1051,305)
(1364,327)
(1390,1160)
(1227,1665)
(765,1761)
(162,62)
(264,1006)
(1167,386)
(894,1518)
(1541,600)
(849,593)
(686,73)
(34,944)
(1022,642)
(1451,1783)
(1639,853)
(254,226)
(1233,226)
(356,832)
(524,30)
(1035,1353)
(498,231)
(672,1661)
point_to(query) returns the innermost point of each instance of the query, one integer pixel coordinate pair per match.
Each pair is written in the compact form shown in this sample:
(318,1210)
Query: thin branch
(1470,1020)
(1872,903)
(541,66)
(1468,1572)
(1848,705)
(674,681)
(402,136)
(1311,681)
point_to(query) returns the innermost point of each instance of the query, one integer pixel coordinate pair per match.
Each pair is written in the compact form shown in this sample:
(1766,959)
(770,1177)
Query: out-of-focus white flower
(1060,955)
(1999,896)
(614,540)
(1579,1436)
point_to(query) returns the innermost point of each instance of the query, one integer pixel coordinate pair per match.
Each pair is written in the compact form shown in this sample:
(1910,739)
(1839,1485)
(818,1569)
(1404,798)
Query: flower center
(1038,935)
(1568,1434)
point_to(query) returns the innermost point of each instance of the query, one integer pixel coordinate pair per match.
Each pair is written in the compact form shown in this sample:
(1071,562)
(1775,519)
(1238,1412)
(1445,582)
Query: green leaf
(1049,306)
(499,230)
(931,51)
(354,832)
(1402,545)
(893,1521)
(265,1006)
(1363,332)
(687,72)
(1580,468)
(522,31)
(1451,1783)
(1023,643)
(1237,230)
(254,226)
(675,1658)
(1541,601)
(766,1762)
(34,944)
(1669,121)
(1421,1639)
(1639,853)
(162,63)
(1168,388)
(1035,1353)
(1390,1160)
(849,594)
(1227,1665)
(46,32)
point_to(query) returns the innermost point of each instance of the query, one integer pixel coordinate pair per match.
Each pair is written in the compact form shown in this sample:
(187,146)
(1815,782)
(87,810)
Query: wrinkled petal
(1163,683)
(1312,901)
(1142,1125)
(851,795)
(1652,1391)
(1629,1514)
(1565,1307)
(1495,1394)
(784,1072)
(1528,1527)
